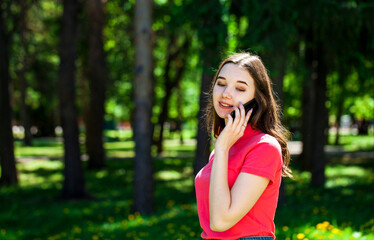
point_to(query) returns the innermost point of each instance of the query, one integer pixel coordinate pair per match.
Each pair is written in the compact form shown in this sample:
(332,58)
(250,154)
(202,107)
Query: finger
(229,119)
(242,115)
(237,116)
(248,115)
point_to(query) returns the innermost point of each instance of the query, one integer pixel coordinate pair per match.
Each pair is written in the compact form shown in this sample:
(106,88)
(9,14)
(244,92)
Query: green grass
(351,142)
(33,210)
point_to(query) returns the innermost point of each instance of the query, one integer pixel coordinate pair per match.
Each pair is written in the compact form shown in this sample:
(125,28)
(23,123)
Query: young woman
(237,191)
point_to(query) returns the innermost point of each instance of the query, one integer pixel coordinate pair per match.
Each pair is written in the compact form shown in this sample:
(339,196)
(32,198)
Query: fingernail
(241,103)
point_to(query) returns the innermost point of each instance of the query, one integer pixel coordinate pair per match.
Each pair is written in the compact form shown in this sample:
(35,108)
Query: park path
(334,152)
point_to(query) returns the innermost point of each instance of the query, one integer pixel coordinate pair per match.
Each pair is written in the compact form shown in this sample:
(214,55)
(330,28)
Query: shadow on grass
(35,210)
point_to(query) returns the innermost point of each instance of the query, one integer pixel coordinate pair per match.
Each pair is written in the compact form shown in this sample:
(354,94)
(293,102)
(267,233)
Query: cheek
(216,93)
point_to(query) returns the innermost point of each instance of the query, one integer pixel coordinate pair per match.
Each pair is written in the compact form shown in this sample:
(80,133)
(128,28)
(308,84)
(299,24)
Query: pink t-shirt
(255,153)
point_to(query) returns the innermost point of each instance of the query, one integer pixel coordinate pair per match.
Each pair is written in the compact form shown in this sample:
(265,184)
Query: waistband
(251,238)
(256,238)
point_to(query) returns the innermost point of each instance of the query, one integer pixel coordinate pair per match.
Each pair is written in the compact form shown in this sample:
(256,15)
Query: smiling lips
(225,105)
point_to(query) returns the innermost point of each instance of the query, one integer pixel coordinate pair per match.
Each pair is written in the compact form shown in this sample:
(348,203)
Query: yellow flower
(320,226)
(300,236)
(335,231)
(285,228)
(326,223)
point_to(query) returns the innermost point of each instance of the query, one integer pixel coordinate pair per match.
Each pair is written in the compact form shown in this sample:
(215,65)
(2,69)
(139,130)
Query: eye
(240,90)
(220,84)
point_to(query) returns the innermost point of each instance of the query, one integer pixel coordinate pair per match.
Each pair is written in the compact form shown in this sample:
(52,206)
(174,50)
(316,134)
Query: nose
(227,93)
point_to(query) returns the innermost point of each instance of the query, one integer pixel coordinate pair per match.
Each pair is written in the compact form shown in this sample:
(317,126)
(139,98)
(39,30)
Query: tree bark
(74,185)
(25,116)
(315,114)
(278,79)
(320,120)
(97,74)
(203,137)
(7,160)
(143,94)
(308,99)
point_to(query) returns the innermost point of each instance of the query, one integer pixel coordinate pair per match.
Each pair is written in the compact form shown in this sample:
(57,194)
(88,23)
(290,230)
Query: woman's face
(233,85)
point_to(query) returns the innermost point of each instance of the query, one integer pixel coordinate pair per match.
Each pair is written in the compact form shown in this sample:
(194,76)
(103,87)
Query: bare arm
(226,207)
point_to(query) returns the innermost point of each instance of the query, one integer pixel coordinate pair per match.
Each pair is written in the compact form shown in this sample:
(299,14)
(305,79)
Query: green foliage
(363,107)
(274,30)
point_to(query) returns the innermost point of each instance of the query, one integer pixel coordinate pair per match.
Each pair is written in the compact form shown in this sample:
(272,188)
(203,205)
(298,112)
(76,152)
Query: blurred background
(101,108)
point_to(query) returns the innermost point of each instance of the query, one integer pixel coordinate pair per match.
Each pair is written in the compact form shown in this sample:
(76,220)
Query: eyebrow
(239,81)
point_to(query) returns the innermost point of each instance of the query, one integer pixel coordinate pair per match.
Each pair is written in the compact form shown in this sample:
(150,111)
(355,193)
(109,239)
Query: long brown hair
(266,119)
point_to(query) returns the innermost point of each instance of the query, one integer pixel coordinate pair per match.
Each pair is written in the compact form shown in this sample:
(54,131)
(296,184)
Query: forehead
(232,72)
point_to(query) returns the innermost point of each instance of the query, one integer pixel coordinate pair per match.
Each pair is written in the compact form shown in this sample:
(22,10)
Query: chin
(222,115)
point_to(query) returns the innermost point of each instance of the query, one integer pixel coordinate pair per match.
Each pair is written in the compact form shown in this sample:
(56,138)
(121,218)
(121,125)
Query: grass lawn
(344,209)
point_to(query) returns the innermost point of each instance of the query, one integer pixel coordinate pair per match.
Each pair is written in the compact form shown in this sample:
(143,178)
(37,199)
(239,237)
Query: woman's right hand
(234,129)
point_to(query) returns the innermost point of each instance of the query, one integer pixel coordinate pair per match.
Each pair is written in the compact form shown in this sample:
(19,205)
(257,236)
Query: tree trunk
(25,116)
(74,185)
(279,78)
(320,120)
(315,114)
(143,94)
(97,75)
(308,99)
(203,137)
(7,160)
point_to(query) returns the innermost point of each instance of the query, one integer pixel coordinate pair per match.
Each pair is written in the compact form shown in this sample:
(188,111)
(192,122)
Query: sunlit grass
(352,142)
(52,149)
(34,210)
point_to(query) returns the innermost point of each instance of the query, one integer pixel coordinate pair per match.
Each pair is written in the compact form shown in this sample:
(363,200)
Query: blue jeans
(252,238)
(256,238)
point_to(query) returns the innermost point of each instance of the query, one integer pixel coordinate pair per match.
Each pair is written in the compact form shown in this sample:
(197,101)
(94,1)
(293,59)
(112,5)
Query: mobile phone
(247,106)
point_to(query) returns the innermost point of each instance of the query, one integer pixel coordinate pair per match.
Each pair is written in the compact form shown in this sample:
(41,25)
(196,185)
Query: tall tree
(7,160)
(315,109)
(74,185)
(97,78)
(25,113)
(315,113)
(143,96)
(211,33)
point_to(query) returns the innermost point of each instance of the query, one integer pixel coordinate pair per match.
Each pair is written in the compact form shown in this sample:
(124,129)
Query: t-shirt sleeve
(264,160)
